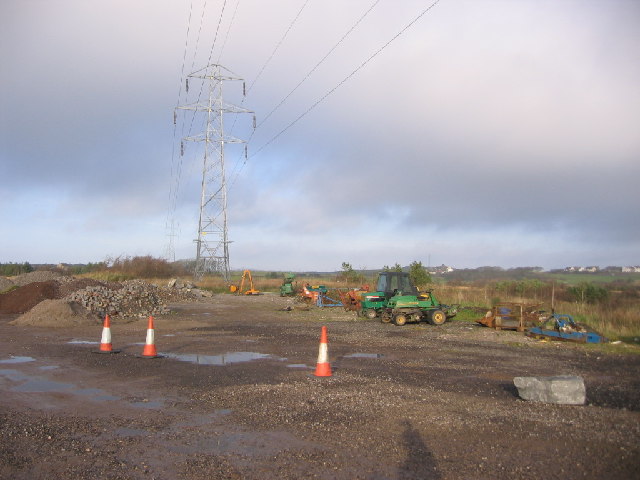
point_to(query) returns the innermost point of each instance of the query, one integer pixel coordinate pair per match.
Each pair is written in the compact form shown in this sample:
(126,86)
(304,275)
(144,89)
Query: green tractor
(397,299)
(287,285)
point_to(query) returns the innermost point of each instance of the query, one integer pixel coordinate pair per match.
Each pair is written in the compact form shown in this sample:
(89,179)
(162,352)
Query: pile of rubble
(134,298)
(128,299)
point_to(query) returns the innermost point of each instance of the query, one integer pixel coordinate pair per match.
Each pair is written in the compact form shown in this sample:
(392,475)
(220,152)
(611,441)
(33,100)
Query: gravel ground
(235,398)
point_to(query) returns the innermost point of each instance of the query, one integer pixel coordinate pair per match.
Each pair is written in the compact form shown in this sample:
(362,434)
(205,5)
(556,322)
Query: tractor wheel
(370,313)
(437,317)
(400,319)
(385,318)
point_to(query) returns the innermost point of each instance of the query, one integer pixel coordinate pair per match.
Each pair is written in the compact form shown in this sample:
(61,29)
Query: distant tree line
(88,268)
(11,269)
(145,267)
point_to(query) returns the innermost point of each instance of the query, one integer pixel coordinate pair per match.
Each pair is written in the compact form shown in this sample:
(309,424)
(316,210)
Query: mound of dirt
(22,299)
(57,313)
(5,284)
(37,276)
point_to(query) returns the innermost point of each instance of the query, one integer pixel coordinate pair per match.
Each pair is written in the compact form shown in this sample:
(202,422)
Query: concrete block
(564,389)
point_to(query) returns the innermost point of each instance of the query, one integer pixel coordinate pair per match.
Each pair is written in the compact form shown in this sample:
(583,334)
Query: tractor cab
(395,283)
(389,284)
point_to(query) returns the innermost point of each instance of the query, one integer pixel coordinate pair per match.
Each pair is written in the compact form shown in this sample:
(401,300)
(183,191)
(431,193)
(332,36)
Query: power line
(184,55)
(233,17)
(409,25)
(175,174)
(193,116)
(213,44)
(320,62)
(237,170)
(277,46)
(195,50)
(234,173)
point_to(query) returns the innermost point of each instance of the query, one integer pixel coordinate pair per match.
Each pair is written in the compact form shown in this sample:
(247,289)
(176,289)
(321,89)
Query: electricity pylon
(212,242)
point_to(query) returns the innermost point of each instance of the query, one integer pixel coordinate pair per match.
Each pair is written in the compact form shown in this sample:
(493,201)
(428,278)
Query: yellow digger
(240,289)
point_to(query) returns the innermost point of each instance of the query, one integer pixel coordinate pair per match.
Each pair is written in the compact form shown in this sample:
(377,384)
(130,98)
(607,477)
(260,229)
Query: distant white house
(441,269)
(582,269)
(594,269)
(635,269)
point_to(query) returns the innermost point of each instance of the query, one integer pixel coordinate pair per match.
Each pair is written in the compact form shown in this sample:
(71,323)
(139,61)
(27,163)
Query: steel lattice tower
(212,242)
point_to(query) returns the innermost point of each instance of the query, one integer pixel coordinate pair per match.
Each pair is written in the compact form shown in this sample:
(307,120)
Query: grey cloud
(513,117)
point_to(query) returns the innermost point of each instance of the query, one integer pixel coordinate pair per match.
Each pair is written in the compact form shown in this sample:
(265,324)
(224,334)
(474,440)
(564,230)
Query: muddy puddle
(21,382)
(26,383)
(228,358)
(15,359)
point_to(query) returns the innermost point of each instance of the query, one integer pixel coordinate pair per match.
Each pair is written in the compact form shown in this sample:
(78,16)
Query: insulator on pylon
(175,117)
(186,85)
(244,89)
(254,122)
(181,149)
(246,156)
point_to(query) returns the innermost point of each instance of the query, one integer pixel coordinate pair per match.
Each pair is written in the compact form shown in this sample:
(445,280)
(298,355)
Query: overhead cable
(193,116)
(321,99)
(277,46)
(320,62)
(246,90)
(224,4)
(233,17)
(176,172)
(195,50)
(236,171)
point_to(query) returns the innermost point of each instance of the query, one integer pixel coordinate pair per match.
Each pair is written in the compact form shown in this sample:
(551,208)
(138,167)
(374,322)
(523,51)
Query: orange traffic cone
(323,368)
(149,346)
(105,341)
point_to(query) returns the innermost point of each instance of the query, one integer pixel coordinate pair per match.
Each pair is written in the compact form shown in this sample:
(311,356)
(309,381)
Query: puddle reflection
(148,404)
(15,359)
(224,359)
(31,384)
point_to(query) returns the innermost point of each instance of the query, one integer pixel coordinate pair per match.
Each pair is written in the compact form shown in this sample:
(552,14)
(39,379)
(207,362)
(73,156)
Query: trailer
(563,327)
(513,316)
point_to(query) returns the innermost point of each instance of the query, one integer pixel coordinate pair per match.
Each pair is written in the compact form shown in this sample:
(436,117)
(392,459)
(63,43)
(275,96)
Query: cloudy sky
(489,132)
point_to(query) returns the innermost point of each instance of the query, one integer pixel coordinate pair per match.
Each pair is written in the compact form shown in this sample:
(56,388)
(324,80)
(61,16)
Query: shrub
(587,292)
(418,274)
(350,275)
(143,267)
